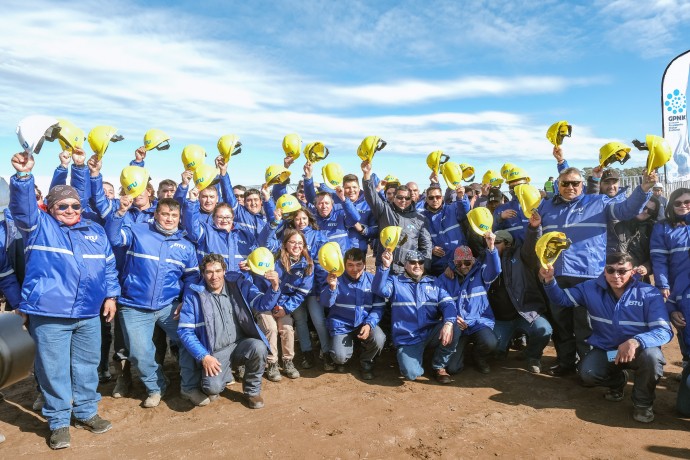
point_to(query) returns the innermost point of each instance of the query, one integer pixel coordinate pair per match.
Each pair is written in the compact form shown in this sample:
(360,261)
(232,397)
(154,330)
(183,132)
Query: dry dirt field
(509,413)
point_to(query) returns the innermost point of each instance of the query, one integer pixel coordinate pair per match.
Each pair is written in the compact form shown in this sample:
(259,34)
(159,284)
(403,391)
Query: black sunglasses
(64,207)
(678,203)
(571,183)
(618,271)
(403,198)
(466,263)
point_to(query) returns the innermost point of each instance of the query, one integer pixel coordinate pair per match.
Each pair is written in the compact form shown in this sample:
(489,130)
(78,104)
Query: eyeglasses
(297,244)
(224,217)
(239,195)
(65,207)
(466,263)
(402,198)
(434,197)
(618,271)
(678,203)
(570,183)
(415,262)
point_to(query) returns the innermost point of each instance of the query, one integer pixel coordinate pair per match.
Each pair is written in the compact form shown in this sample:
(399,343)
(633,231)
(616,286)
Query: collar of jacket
(558,199)
(178,235)
(634,280)
(406,279)
(434,211)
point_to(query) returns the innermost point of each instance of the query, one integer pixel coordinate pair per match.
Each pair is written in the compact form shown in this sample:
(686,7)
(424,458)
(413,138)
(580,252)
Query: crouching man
(218,329)
(354,312)
(629,325)
(422,315)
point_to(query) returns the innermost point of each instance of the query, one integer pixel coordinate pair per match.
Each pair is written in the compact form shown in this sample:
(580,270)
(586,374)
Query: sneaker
(617,394)
(273,372)
(534,366)
(307,360)
(290,369)
(560,370)
(442,376)
(482,365)
(60,438)
(39,402)
(367,373)
(104,376)
(255,402)
(122,385)
(328,364)
(95,424)
(153,400)
(643,414)
(195,396)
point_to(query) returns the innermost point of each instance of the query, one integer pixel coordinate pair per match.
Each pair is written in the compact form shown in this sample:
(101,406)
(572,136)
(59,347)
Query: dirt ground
(509,413)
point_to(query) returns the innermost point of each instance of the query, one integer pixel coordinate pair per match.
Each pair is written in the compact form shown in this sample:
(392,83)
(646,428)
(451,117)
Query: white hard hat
(35,129)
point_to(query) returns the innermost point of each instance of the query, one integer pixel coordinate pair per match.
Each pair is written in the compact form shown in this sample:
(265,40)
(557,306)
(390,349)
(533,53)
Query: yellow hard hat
(331,258)
(369,146)
(558,131)
(133,180)
(228,146)
(549,247)
(100,138)
(529,198)
(492,178)
(277,174)
(288,203)
(480,220)
(292,145)
(70,136)
(659,152)
(333,175)
(517,173)
(391,179)
(193,156)
(260,261)
(156,139)
(205,176)
(612,152)
(435,159)
(505,170)
(467,172)
(452,174)
(315,151)
(390,236)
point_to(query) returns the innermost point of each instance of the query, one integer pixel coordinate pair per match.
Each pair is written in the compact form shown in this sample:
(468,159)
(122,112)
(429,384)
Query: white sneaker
(195,396)
(153,400)
(40,401)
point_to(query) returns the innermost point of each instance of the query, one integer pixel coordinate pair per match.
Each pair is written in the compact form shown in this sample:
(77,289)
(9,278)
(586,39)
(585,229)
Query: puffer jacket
(446,230)
(414,227)
(210,239)
(198,306)
(470,293)
(295,286)
(351,304)
(157,267)
(639,313)
(669,247)
(584,221)
(416,307)
(70,270)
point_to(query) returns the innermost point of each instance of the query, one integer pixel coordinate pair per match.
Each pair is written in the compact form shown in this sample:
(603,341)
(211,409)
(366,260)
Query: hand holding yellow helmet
(333,175)
(529,198)
(492,178)
(549,247)
(156,139)
(369,146)
(100,138)
(558,131)
(505,170)
(435,159)
(390,236)
(467,172)
(192,157)
(292,145)
(229,146)
(288,203)
(659,151)
(452,174)
(134,180)
(277,174)
(331,258)
(260,261)
(315,151)
(612,152)
(481,220)
(205,176)
(70,136)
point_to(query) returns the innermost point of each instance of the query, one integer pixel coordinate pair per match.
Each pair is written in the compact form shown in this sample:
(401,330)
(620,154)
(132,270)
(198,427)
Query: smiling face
(64,211)
(681,205)
(252,202)
(609,187)
(354,268)
(214,276)
(351,189)
(208,199)
(324,205)
(570,185)
(301,220)
(167,218)
(223,217)
(294,246)
(402,199)
(415,268)
(619,276)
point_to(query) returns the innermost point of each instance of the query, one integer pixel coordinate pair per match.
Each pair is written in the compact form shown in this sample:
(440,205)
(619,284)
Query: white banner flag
(674,106)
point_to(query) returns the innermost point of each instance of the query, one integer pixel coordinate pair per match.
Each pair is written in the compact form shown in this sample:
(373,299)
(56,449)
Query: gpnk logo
(675,102)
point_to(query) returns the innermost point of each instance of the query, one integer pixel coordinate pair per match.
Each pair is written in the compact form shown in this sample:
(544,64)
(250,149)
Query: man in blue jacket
(354,312)
(423,315)
(159,263)
(629,325)
(217,328)
(584,219)
(70,274)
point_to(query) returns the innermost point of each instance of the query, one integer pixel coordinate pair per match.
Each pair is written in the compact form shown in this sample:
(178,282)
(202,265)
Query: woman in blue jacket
(296,272)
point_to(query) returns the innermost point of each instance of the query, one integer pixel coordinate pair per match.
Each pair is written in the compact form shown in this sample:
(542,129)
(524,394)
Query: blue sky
(480,80)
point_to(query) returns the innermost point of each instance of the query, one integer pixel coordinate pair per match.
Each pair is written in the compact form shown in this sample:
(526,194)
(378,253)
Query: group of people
(171,268)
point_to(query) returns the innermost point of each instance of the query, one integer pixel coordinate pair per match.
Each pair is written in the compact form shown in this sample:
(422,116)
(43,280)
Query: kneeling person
(218,329)
(354,312)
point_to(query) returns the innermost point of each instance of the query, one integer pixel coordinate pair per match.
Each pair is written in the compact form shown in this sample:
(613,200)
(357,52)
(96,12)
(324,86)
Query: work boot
(273,372)
(643,414)
(366,372)
(95,424)
(196,397)
(442,376)
(124,381)
(617,394)
(60,438)
(290,369)
(255,402)
(153,400)
(482,365)
(534,366)
(328,364)
(307,359)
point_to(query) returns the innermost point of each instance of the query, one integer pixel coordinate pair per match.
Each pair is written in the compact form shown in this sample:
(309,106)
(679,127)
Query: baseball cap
(505,236)
(414,256)
(611,174)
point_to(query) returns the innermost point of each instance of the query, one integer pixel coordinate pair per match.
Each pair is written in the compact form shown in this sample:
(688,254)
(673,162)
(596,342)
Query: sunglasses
(434,197)
(618,271)
(649,211)
(415,262)
(571,183)
(239,195)
(65,207)
(403,198)
(466,263)
(678,203)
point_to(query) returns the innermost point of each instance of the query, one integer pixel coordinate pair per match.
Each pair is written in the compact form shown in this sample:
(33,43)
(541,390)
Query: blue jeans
(137,327)
(410,356)
(318,318)
(683,401)
(343,345)
(484,345)
(67,357)
(596,370)
(538,335)
(248,352)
